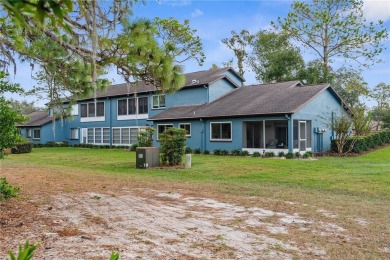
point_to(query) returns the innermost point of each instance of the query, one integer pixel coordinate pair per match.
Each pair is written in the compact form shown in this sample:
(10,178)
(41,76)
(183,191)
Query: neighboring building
(39,128)
(214,107)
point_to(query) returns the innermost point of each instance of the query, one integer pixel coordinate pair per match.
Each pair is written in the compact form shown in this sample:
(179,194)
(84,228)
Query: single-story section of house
(288,117)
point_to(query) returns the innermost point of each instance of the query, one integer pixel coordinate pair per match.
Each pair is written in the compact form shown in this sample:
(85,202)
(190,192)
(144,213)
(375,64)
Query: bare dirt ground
(88,217)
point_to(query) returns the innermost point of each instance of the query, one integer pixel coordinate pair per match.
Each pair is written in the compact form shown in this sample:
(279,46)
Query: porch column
(290,134)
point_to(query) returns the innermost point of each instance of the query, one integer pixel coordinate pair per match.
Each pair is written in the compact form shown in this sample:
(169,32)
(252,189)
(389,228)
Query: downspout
(111,134)
(332,125)
(207,93)
(203,136)
(290,133)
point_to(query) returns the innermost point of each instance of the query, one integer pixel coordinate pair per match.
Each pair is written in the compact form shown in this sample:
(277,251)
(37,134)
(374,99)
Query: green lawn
(352,188)
(367,175)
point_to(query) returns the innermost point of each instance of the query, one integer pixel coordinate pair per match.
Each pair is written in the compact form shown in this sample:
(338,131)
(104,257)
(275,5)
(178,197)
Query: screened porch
(273,135)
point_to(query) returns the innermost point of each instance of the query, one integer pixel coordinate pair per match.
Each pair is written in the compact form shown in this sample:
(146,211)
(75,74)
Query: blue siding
(187,96)
(233,77)
(47,133)
(219,88)
(319,108)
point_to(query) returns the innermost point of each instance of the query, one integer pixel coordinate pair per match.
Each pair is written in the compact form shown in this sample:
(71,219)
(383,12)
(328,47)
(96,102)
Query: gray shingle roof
(263,99)
(193,79)
(37,119)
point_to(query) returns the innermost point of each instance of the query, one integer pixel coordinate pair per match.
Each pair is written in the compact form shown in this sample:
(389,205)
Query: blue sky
(214,20)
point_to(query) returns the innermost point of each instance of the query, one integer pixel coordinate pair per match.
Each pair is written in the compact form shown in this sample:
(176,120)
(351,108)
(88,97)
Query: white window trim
(75,110)
(33,134)
(159,107)
(93,118)
(140,128)
(77,136)
(131,116)
(221,140)
(162,125)
(94,135)
(29,133)
(180,124)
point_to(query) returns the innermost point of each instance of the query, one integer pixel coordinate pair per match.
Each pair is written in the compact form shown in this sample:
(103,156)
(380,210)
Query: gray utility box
(147,157)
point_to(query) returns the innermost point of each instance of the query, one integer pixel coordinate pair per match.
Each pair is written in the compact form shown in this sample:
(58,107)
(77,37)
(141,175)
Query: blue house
(215,108)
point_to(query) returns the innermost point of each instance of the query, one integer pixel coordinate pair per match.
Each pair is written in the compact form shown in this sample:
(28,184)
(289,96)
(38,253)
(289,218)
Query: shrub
(217,152)
(173,143)
(206,152)
(256,154)
(281,154)
(188,150)
(197,151)
(25,253)
(133,147)
(289,156)
(224,152)
(307,155)
(236,152)
(297,154)
(22,148)
(145,138)
(7,191)
(269,154)
(244,153)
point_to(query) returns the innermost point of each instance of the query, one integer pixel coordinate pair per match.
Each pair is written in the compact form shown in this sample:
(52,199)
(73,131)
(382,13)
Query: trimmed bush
(173,143)
(145,138)
(236,152)
(217,152)
(206,152)
(244,153)
(22,148)
(297,155)
(364,143)
(197,151)
(289,156)
(224,152)
(269,154)
(307,155)
(281,154)
(188,150)
(132,147)
(256,154)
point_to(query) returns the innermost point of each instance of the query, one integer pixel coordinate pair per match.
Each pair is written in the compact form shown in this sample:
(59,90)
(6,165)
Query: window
(162,128)
(89,109)
(221,131)
(158,101)
(74,134)
(125,135)
(132,106)
(143,105)
(37,134)
(186,127)
(122,107)
(28,133)
(97,135)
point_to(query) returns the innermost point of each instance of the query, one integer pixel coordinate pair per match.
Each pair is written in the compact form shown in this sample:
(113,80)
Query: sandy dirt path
(161,225)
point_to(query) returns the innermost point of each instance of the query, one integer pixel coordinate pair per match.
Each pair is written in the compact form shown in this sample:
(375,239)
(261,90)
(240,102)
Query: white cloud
(196,13)
(375,10)
(175,3)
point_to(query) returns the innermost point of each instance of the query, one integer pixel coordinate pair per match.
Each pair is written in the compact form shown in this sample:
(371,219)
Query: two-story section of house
(115,116)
